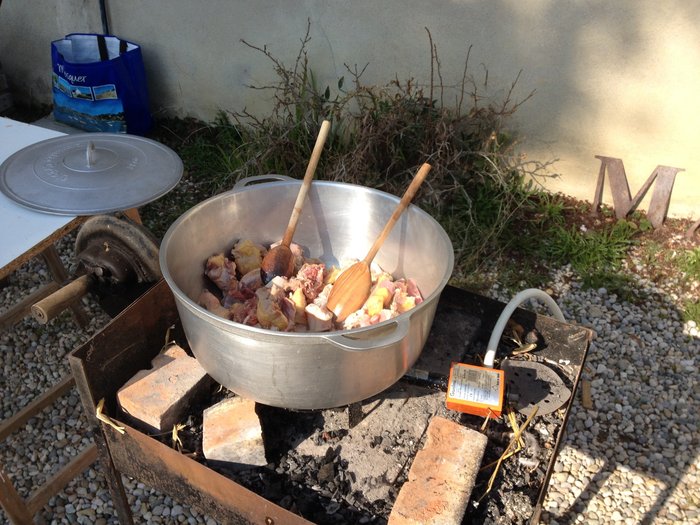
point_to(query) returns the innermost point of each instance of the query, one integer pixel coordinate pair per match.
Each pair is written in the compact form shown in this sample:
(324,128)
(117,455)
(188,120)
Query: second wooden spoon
(352,288)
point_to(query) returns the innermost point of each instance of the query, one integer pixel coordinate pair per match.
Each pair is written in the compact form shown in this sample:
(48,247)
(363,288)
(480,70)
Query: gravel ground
(633,458)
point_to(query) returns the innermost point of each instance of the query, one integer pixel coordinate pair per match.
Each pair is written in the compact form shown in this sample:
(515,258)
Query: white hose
(521,297)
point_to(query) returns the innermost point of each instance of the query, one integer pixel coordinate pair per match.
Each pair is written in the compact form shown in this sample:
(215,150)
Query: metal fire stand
(132,339)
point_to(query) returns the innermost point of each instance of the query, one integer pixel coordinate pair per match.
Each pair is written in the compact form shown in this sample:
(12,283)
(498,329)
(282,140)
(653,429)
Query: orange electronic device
(476,390)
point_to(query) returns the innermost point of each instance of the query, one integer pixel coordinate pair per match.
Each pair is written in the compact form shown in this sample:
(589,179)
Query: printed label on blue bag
(108,91)
(95,108)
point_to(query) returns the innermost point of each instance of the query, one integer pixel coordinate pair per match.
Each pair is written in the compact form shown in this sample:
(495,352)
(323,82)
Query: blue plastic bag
(99,84)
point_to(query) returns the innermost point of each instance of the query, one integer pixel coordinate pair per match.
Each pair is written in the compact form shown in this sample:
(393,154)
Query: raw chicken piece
(277,289)
(287,286)
(237,295)
(211,302)
(387,299)
(294,284)
(251,280)
(269,312)
(299,302)
(402,301)
(289,310)
(361,318)
(380,297)
(248,255)
(356,319)
(374,304)
(311,277)
(319,319)
(280,282)
(331,275)
(246,313)
(413,291)
(221,271)
(322,298)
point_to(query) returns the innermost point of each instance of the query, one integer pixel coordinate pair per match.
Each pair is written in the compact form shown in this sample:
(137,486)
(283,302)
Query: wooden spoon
(352,287)
(279,261)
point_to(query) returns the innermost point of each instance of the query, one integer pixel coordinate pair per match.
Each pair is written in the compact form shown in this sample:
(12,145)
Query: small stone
(595,312)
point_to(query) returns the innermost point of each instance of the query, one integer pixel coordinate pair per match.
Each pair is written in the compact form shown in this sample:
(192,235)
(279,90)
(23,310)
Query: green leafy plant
(481,189)
(589,252)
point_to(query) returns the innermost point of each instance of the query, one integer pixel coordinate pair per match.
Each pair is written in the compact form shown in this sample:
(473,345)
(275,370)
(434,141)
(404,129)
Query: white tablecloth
(21,228)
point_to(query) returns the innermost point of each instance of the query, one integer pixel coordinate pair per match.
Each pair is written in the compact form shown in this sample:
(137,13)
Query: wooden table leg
(134,215)
(18,420)
(23,308)
(22,511)
(14,505)
(60,479)
(60,275)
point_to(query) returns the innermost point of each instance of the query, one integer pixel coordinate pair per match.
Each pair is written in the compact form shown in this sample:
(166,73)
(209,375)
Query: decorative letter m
(620,189)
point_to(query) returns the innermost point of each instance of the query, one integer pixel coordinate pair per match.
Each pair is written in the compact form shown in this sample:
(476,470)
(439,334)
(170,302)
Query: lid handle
(90,154)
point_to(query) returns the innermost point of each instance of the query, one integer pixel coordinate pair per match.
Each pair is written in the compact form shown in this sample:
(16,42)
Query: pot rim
(287,181)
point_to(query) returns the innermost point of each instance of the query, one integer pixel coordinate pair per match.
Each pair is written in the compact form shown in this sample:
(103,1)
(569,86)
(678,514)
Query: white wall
(611,78)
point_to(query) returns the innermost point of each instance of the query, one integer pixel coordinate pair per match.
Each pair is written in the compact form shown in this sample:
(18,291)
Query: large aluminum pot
(339,222)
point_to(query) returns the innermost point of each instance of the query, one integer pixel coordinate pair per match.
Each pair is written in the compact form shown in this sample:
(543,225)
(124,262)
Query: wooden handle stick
(405,201)
(54,304)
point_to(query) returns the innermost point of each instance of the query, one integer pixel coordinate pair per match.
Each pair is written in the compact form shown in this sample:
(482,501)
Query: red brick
(442,476)
(232,434)
(158,397)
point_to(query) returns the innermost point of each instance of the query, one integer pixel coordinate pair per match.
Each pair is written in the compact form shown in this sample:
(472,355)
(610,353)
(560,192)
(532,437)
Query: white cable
(521,297)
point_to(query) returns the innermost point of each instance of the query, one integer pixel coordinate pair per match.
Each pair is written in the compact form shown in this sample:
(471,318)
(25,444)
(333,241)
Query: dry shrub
(382,134)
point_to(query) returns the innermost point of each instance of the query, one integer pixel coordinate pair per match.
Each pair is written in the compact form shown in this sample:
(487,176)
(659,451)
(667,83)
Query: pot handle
(254,179)
(358,345)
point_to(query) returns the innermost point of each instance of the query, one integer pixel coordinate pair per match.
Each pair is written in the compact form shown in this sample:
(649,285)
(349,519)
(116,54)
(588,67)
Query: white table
(25,233)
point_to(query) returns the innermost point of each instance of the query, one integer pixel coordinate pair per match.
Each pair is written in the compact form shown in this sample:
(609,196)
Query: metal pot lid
(90,173)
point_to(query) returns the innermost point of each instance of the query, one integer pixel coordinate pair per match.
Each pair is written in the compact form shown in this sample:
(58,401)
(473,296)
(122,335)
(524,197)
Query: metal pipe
(103,15)
(521,297)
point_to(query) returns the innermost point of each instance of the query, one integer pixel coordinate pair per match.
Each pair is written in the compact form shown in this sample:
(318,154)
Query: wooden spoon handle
(405,200)
(308,176)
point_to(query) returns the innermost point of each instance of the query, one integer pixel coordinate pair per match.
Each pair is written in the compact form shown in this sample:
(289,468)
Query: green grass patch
(690,263)
(622,285)
(588,252)
(691,311)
